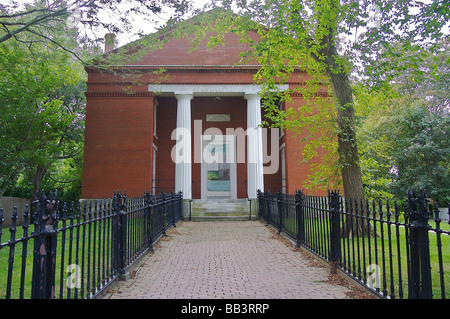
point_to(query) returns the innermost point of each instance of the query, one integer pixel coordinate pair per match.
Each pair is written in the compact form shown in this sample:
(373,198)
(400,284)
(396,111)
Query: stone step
(219,209)
(221,218)
(219,206)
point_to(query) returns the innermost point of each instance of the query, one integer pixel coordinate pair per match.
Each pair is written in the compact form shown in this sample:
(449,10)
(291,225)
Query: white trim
(183,165)
(231,140)
(255,160)
(211,89)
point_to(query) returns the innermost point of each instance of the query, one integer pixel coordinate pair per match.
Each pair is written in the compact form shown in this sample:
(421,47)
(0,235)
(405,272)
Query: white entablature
(211,89)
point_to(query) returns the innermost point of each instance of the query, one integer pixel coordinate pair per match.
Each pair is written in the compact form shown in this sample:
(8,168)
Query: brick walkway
(226,260)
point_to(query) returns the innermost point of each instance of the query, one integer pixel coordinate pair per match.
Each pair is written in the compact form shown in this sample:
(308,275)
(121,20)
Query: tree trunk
(37,180)
(348,149)
(347,144)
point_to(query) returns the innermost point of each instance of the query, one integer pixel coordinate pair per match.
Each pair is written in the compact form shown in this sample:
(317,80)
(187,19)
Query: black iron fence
(75,252)
(397,251)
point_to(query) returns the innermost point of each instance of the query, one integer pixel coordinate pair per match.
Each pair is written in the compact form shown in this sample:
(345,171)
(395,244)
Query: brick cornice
(176,69)
(119,94)
(146,83)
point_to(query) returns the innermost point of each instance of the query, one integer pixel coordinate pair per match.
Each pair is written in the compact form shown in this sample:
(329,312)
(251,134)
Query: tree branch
(35,21)
(62,182)
(21,14)
(59,45)
(69,156)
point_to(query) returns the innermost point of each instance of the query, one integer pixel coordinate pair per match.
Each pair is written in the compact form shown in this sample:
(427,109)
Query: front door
(218,175)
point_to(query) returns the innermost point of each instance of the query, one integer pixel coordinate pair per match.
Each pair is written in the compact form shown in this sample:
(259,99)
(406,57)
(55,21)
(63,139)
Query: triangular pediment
(178,47)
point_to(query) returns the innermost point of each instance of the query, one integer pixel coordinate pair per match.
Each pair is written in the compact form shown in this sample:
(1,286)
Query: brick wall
(118,146)
(166,121)
(296,170)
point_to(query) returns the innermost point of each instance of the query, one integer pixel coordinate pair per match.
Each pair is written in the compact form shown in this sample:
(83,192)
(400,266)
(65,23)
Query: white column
(255,175)
(183,161)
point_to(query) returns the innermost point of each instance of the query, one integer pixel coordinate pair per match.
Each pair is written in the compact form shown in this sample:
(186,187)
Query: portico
(218,173)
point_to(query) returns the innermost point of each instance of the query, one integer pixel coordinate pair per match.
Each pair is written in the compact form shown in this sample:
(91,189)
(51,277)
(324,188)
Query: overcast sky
(140,24)
(143,26)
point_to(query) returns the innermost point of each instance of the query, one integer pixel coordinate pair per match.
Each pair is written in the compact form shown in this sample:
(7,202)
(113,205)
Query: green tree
(406,147)
(403,128)
(44,45)
(375,149)
(313,35)
(36,126)
(422,153)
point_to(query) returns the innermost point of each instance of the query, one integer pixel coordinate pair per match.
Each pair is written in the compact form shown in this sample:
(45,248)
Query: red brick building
(193,128)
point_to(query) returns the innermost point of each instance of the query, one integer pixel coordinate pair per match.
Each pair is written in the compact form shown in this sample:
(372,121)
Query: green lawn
(85,261)
(395,267)
(93,255)
(391,258)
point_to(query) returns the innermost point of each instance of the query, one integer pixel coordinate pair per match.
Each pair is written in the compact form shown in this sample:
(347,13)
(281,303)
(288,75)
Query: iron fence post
(164,212)
(13,230)
(148,202)
(44,254)
(120,234)
(299,215)
(334,199)
(172,207)
(181,216)
(419,277)
(259,196)
(280,210)
(269,214)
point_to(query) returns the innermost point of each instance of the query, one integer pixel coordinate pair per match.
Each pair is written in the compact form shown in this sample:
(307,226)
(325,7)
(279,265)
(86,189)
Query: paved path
(226,260)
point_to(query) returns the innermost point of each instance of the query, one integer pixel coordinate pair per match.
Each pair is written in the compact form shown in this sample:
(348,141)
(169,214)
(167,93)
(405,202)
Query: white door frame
(231,159)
